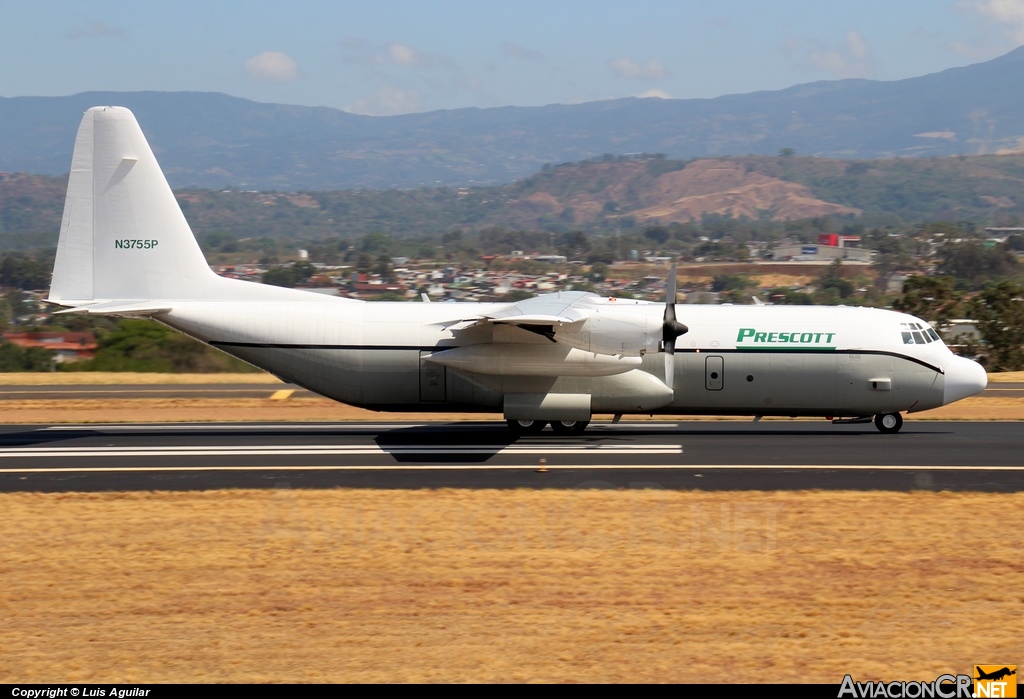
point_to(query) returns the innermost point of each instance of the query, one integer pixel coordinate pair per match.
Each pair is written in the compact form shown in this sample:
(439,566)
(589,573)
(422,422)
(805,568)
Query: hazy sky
(398,56)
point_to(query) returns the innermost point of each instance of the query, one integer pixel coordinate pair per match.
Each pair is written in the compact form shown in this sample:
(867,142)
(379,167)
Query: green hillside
(605,195)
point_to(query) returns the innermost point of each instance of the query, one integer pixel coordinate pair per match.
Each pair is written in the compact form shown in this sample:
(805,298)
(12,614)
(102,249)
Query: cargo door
(714,373)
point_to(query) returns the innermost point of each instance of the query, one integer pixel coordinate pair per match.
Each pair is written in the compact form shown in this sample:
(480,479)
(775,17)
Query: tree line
(997,311)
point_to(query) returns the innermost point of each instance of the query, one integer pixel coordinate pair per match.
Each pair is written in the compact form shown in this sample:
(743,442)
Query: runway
(727,455)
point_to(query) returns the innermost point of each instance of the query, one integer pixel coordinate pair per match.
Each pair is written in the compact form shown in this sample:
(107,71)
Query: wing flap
(569,319)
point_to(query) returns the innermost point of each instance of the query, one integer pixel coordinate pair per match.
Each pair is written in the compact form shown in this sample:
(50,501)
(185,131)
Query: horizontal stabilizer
(119,308)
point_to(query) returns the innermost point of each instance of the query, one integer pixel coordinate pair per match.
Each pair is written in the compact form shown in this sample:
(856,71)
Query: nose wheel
(888,423)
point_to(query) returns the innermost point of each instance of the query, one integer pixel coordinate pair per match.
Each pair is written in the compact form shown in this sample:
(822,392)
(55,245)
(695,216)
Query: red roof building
(68,347)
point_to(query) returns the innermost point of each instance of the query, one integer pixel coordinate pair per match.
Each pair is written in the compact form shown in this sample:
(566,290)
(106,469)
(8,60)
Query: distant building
(836,240)
(820,253)
(364,290)
(66,346)
(552,259)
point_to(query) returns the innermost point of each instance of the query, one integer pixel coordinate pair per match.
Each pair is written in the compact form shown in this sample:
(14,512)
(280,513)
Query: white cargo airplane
(126,250)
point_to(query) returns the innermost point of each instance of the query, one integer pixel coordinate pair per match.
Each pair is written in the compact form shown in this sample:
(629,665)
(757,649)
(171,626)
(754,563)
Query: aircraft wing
(555,310)
(577,319)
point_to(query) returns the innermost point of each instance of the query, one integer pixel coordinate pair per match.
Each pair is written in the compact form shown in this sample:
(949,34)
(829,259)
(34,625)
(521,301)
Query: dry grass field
(349,585)
(288,585)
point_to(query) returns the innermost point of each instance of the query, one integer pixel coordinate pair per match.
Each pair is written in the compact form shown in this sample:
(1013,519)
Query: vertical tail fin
(123,236)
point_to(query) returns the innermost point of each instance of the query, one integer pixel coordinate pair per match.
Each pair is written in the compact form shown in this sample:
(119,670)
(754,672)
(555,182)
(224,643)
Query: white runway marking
(333,450)
(511,467)
(299,426)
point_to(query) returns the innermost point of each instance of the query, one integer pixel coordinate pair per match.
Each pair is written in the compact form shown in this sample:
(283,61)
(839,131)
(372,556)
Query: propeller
(671,329)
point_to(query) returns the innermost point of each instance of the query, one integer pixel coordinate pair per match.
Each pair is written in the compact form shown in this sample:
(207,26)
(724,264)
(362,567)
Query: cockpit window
(918,334)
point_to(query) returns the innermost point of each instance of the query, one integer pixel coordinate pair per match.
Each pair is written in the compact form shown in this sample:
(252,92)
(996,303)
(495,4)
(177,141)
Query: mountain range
(215,141)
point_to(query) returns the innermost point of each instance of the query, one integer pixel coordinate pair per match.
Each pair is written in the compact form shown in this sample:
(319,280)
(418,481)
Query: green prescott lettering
(134,244)
(793,337)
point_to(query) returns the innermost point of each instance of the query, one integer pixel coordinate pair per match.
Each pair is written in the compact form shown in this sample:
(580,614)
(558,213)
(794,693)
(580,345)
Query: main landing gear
(522,427)
(525,426)
(888,423)
(569,426)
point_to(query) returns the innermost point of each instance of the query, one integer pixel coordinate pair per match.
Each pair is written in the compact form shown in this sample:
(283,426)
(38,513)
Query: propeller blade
(670,365)
(671,290)
(670,313)
(670,328)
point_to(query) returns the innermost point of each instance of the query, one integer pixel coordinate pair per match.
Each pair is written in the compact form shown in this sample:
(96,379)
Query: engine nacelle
(615,332)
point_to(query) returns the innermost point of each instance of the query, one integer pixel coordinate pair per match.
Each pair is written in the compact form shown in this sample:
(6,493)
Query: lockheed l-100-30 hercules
(126,250)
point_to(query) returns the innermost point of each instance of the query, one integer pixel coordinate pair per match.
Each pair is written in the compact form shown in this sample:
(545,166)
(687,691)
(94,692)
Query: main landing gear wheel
(525,426)
(569,426)
(888,423)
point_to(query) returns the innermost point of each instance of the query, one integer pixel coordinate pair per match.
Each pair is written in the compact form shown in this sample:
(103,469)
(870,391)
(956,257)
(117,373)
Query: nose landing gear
(888,423)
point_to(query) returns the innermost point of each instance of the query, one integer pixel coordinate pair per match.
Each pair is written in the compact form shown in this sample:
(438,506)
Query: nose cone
(963,378)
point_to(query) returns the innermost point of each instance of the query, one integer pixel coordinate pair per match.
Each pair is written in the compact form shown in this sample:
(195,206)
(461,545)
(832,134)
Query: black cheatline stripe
(773,350)
(766,350)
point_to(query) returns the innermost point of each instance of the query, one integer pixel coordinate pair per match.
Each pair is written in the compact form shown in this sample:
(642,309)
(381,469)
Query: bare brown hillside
(724,187)
(590,191)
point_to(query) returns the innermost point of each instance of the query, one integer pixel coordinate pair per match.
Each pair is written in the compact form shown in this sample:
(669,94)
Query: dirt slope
(587,192)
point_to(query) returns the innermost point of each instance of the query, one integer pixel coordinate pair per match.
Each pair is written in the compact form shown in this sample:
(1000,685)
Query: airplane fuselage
(745,360)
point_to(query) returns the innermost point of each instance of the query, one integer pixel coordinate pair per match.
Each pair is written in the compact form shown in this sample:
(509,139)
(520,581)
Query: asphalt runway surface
(724,455)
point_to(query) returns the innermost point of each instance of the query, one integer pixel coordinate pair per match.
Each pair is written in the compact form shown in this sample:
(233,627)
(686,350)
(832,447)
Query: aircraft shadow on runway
(477,443)
(446,442)
(34,436)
